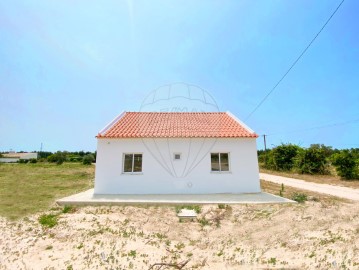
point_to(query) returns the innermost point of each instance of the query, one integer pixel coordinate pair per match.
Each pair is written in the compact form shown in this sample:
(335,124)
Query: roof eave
(242,124)
(109,125)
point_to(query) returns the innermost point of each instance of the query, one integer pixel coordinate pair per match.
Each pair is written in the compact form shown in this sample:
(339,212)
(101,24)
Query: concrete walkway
(342,192)
(88,198)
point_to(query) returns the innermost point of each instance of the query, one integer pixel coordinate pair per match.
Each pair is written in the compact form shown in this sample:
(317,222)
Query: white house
(176,153)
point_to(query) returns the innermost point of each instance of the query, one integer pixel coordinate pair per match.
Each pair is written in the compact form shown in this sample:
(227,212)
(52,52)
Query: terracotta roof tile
(176,125)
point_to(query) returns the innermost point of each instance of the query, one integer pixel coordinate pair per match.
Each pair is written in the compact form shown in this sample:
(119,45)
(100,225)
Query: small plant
(68,209)
(168,242)
(160,236)
(299,197)
(272,261)
(281,191)
(80,246)
(132,253)
(49,247)
(180,246)
(203,222)
(221,206)
(48,220)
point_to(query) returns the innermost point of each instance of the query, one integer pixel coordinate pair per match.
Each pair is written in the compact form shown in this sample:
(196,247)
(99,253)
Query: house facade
(176,153)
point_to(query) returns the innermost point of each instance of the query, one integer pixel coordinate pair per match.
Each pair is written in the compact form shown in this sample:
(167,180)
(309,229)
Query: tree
(88,159)
(43,154)
(283,157)
(314,159)
(346,165)
(58,157)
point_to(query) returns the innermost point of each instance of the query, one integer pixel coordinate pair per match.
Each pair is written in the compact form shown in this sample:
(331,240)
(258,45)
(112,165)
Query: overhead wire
(316,127)
(294,63)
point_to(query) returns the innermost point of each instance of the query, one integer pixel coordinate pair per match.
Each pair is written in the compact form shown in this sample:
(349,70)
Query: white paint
(190,175)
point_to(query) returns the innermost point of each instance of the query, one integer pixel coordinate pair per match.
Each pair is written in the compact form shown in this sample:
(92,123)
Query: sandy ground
(342,192)
(314,235)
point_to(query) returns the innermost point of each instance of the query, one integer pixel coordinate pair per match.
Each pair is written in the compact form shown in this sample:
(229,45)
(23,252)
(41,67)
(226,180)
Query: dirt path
(343,192)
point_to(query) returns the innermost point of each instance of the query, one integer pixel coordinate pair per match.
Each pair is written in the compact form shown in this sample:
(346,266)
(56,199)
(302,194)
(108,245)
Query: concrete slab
(89,198)
(187,213)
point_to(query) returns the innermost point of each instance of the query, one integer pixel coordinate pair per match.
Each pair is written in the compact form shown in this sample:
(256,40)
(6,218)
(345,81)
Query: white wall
(190,175)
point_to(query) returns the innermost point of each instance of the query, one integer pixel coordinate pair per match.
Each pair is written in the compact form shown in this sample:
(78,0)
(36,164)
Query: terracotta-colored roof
(176,125)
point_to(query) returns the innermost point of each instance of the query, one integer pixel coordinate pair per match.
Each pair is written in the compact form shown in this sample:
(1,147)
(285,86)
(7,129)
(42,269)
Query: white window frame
(219,162)
(133,162)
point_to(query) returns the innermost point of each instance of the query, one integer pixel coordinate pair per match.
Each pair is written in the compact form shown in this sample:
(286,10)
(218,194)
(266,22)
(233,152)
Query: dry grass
(321,179)
(29,188)
(319,234)
(289,191)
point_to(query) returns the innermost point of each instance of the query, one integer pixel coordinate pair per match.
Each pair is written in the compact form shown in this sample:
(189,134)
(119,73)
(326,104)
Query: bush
(74,158)
(33,160)
(282,157)
(48,220)
(346,164)
(23,161)
(299,197)
(68,209)
(313,160)
(58,157)
(88,159)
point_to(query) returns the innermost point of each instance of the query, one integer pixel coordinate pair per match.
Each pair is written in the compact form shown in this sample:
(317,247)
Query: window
(219,162)
(132,163)
(177,156)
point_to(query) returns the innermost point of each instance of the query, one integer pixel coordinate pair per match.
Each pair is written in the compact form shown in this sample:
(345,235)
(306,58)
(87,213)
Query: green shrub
(88,159)
(282,157)
(203,221)
(346,164)
(48,220)
(23,161)
(68,209)
(313,160)
(58,157)
(33,160)
(299,197)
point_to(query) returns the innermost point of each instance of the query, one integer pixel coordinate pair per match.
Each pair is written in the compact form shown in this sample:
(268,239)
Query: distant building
(15,157)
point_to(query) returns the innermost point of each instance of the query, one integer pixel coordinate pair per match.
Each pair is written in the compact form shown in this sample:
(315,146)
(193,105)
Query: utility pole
(265,150)
(39,155)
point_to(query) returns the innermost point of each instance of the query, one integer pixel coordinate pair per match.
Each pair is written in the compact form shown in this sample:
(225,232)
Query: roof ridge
(176,125)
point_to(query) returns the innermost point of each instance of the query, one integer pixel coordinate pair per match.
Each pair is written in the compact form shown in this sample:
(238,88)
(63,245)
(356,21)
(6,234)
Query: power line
(317,127)
(294,63)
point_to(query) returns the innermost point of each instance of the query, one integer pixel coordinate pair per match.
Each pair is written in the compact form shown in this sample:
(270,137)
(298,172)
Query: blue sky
(67,68)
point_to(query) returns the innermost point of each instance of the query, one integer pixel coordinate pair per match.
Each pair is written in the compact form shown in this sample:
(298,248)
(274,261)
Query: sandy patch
(313,235)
